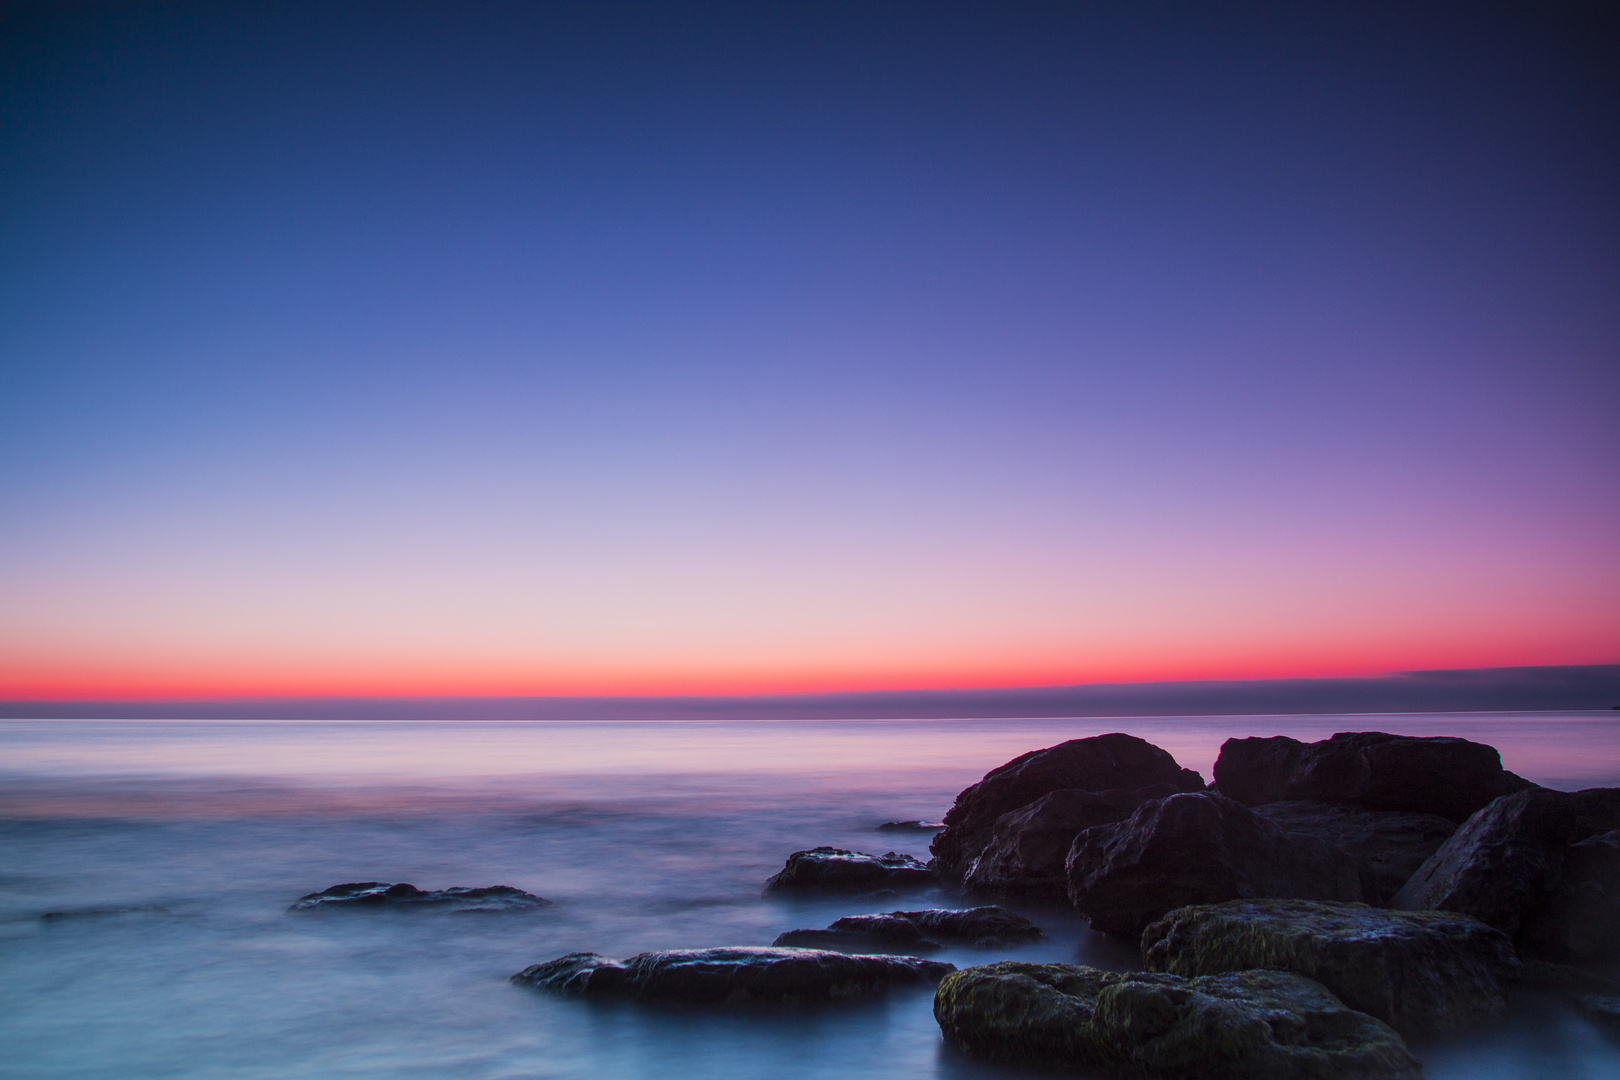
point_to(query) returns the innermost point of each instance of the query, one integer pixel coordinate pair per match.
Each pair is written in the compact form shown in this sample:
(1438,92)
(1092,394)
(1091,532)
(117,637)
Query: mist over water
(174,848)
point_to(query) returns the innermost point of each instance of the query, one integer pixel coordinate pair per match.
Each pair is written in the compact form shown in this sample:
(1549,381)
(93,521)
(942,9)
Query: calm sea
(646,836)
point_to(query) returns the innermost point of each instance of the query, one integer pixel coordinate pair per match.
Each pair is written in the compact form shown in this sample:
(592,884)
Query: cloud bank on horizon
(611,349)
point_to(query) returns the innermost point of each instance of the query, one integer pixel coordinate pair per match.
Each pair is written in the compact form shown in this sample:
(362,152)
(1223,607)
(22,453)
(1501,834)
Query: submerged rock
(729,976)
(368,894)
(916,931)
(1421,972)
(911,826)
(1253,1025)
(1099,763)
(1029,846)
(1445,776)
(829,869)
(1197,849)
(1602,1009)
(1389,845)
(103,912)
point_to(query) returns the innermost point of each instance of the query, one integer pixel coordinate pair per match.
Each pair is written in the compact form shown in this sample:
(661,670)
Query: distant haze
(523,352)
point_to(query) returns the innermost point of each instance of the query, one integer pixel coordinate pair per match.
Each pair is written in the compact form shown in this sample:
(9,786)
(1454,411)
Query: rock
(1253,1025)
(911,826)
(904,931)
(1197,849)
(1389,845)
(1561,978)
(1099,763)
(1580,919)
(1602,1009)
(1445,776)
(1597,810)
(729,976)
(1504,863)
(1028,846)
(368,894)
(829,869)
(1423,973)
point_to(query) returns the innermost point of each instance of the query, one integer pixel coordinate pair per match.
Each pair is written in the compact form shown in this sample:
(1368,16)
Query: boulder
(1502,865)
(1580,919)
(1253,1025)
(1028,846)
(1389,845)
(729,976)
(1597,810)
(1197,849)
(829,869)
(1099,763)
(1424,973)
(374,894)
(1445,776)
(915,931)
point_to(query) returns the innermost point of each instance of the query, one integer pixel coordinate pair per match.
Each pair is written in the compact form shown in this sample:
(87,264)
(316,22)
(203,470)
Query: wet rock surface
(1257,1025)
(1099,763)
(1422,972)
(1388,845)
(729,976)
(917,931)
(1445,776)
(1029,846)
(1197,849)
(829,869)
(381,894)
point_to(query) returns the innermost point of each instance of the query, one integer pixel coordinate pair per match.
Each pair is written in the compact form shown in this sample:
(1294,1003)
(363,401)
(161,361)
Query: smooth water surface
(646,835)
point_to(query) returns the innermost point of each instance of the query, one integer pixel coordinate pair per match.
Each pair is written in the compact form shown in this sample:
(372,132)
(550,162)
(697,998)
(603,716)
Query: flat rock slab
(914,932)
(1445,776)
(1421,972)
(1098,763)
(382,894)
(1197,849)
(829,869)
(1388,845)
(1253,1025)
(730,976)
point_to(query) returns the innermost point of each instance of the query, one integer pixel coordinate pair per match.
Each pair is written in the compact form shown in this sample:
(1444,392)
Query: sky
(617,349)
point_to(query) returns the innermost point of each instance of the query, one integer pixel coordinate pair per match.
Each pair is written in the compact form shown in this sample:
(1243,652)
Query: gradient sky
(532,349)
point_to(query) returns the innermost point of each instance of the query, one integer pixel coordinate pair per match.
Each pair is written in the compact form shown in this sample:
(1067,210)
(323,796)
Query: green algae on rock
(1421,972)
(1255,1025)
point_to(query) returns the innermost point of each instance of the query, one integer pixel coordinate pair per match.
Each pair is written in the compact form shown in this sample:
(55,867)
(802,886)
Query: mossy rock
(1254,1025)
(1422,972)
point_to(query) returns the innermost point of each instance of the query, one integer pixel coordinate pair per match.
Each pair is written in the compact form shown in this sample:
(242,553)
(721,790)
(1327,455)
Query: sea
(146,869)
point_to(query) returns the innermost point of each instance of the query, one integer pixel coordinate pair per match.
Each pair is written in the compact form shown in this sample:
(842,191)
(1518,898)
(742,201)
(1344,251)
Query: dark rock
(1029,845)
(829,869)
(1197,849)
(911,826)
(1504,863)
(1580,919)
(1253,1025)
(1561,978)
(1445,776)
(1597,810)
(914,931)
(729,976)
(369,894)
(1421,972)
(1602,1009)
(1389,845)
(1100,763)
